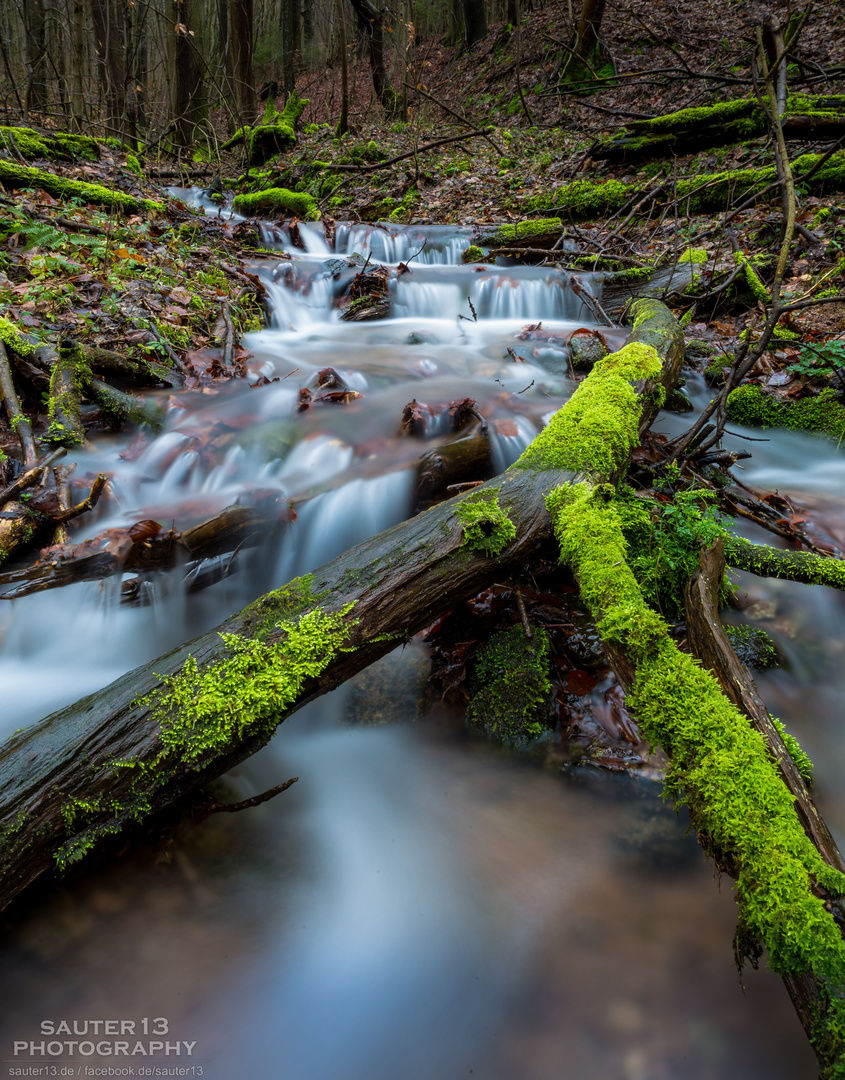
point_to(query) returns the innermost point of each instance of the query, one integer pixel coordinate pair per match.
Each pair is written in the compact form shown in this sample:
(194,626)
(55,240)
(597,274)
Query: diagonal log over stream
(142,744)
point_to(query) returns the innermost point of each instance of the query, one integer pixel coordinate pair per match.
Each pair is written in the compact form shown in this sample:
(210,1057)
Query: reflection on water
(418,906)
(414,907)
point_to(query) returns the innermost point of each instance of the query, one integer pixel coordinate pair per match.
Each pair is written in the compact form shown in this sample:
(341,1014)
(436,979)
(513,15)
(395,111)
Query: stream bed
(420,905)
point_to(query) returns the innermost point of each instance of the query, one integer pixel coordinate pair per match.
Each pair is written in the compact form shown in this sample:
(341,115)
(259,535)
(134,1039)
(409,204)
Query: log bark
(63,794)
(710,644)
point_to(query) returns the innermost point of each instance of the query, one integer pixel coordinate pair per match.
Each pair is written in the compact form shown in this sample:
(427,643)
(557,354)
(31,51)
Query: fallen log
(702,194)
(689,131)
(710,644)
(113,759)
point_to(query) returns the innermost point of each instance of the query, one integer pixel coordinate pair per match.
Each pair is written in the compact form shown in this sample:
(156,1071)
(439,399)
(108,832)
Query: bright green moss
(134,165)
(296,202)
(487,527)
(793,747)
(204,712)
(664,542)
(751,405)
(472,254)
(512,676)
(585,199)
(695,256)
(596,429)
(720,766)
(766,561)
(13,339)
(503,235)
(752,277)
(685,119)
(21,176)
(31,144)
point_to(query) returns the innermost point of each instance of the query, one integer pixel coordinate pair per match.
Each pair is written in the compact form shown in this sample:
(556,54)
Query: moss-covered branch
(764,561)
(720,768)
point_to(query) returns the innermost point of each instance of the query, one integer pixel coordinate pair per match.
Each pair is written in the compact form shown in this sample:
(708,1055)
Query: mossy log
(31,144)
(710,644)
(542,233)
(689,131)
(701,194)
(95,768)
(61,187)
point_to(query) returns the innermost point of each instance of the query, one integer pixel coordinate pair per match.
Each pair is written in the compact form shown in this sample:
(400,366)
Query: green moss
(753,646)
(683,119)
(665,542)
(296,202)
(751,405)
(700,194)
(512,677)
(596,429)
(766,561)
(793,747)
(134,165)
(30,144)
(13,339)
(751,276)
(720,766)
(472,254)
(696,256)
(487,527)
(20,176)
(204,712)
(503,235)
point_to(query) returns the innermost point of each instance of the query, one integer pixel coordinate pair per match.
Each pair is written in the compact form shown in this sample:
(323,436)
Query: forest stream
(420,905)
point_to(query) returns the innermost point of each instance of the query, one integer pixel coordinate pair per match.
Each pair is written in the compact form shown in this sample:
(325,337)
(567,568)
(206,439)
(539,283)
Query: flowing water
(419,905)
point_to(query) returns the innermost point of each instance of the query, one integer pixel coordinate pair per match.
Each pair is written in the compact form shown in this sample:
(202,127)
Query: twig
(86,504)
(18,422)
(457,116)
(410,153)
(246,804)
(30,477)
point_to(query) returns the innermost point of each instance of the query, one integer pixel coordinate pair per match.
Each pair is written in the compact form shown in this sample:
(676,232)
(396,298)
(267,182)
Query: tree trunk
(110,46)
(189,107)
(241,27)
(372,20)
(475,21)
(343,122)
(35,29)
(585,53)
(290,34)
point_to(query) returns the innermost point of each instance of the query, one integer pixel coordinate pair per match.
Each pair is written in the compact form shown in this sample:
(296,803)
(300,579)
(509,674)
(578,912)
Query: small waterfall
(331,523)
(429,246)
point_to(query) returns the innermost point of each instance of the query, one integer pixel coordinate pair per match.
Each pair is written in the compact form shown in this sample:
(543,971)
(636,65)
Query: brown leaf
(144,530)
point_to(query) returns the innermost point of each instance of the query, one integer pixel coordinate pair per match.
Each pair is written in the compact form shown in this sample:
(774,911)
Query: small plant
(819,360)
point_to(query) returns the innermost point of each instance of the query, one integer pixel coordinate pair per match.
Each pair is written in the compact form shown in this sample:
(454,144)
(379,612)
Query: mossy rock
(753,646)
(275,134)
(31,144)
(586,350)
(752,406)
(512,680)
(472,254)
(300,203)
